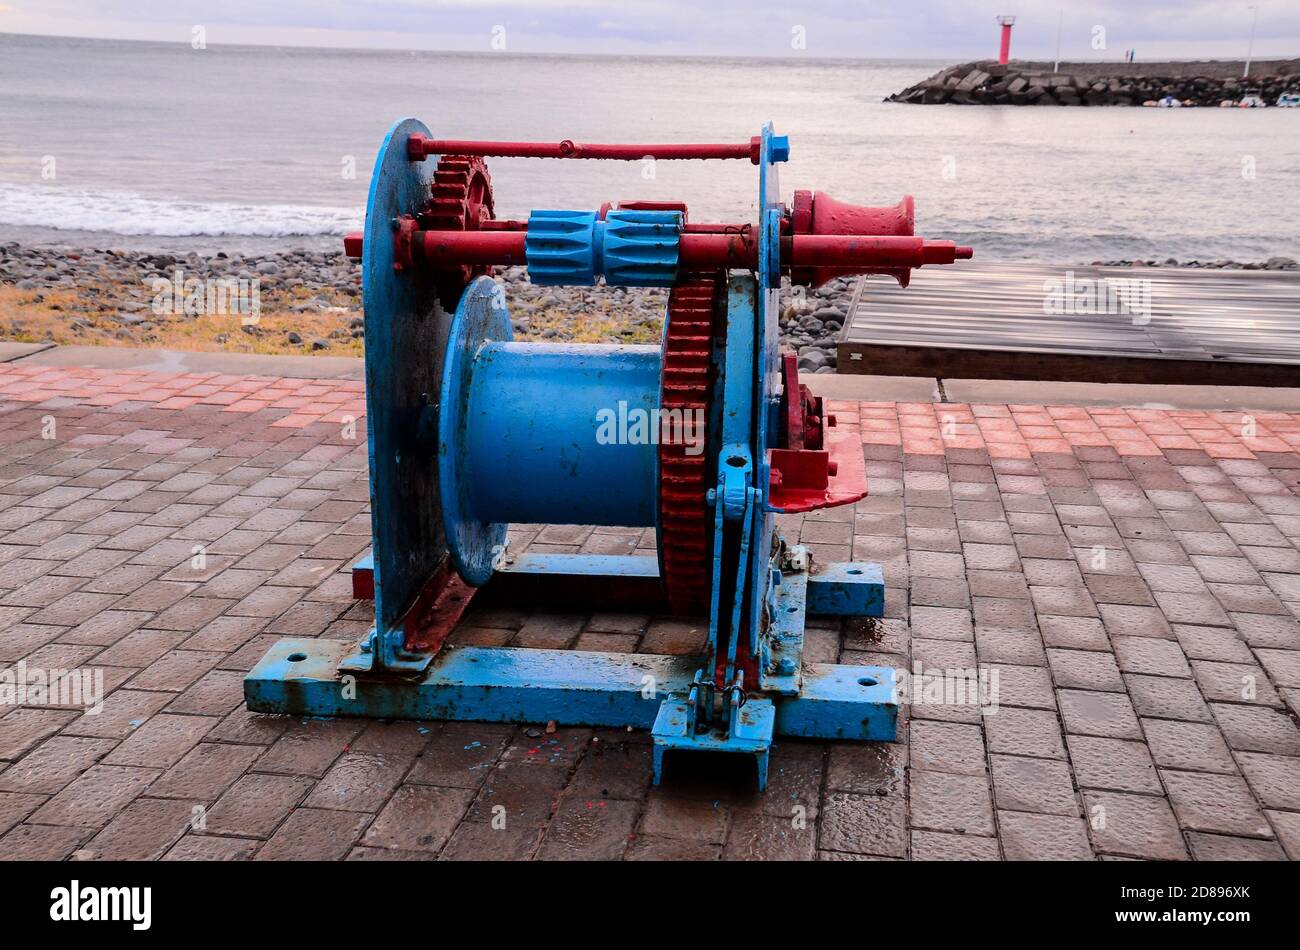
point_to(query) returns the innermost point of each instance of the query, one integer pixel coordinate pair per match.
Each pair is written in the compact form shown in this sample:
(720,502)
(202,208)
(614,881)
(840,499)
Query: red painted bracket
(808,479)
(820,464)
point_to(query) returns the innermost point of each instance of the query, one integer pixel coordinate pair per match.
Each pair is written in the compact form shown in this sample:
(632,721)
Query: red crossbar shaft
(419,146)
(472,247)
(711,250)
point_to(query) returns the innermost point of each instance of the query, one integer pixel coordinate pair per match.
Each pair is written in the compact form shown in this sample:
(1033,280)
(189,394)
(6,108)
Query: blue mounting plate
(573,687)
(406,334)
(481,317)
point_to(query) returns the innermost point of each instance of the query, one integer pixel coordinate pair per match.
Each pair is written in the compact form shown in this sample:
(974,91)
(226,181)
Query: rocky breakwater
(1101,84)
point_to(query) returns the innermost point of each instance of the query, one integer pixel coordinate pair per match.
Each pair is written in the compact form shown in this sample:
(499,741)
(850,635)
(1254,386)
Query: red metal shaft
(702,250)
(419,146)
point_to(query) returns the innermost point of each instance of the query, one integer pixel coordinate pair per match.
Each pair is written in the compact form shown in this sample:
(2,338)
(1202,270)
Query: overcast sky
(945,29)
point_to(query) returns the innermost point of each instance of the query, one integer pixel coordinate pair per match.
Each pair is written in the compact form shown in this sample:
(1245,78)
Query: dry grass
(48,316)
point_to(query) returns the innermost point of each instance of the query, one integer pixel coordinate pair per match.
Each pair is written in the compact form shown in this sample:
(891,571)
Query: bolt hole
(792,610)
(736,461)
(854,571)
(868,681)
(297,657)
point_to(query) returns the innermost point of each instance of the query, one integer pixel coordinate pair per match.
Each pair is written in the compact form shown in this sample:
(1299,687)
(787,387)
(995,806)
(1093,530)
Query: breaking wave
(126,213)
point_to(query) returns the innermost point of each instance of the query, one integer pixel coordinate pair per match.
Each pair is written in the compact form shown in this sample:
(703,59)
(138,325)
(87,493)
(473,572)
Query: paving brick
(53,764)
(942,623)
(1207,847)
(211,848)
(359,782)
(947,747)
(1122,620)
(1074,633)
(656,848)
(175,670)
(1219,803)
(700,819)
(94,798)
(1032,732)
(940,846)
(1150,656)
(15,806)
(143,831)
(162,741)
(1011,685)
(1139,826)
(313,834)
(256,804)
(42,842)
(1113,765)
(586,829)
(1015,647)
(944,802)
(23,728)
(124,711)
(1274,778)
(1212,643)
(1269,632)
(1257,729)
(1086,669)
(1036,837)
(864,824)
(1098,714)
(1026,784)
(206,772)
(1234,683)
(309,747)
(1192,746)
(420,818)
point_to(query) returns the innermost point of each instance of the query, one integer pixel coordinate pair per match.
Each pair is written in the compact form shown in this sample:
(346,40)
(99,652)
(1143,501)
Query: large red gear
(460,199)
(688,377)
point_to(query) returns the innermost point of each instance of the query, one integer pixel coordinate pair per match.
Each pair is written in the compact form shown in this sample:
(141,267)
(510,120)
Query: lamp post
(1250,48)
(1060,14)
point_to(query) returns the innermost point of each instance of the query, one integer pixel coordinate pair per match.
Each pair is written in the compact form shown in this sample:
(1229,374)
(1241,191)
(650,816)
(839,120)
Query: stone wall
(1102,84)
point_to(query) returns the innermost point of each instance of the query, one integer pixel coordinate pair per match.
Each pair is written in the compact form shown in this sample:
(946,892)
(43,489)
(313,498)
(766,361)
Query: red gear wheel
(688,378)
(460,199)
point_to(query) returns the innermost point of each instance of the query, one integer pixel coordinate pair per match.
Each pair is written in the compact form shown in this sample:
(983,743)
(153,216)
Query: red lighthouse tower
(1004,53)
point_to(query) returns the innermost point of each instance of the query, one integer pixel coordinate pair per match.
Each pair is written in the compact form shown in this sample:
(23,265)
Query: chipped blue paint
(571,687)
(847,589)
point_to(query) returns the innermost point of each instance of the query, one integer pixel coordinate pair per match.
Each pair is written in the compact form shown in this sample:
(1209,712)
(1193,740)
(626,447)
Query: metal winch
(706,438)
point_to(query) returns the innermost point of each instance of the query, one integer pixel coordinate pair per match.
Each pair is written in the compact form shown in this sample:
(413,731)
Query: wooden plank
(990,321)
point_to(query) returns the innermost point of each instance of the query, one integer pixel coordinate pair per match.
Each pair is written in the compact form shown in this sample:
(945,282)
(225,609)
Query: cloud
(950,29)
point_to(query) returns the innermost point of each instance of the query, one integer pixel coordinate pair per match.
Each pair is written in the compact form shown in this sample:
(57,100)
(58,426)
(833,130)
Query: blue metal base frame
(573,687)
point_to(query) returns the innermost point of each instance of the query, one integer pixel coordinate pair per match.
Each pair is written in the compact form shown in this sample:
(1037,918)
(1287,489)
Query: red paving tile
(1198,512)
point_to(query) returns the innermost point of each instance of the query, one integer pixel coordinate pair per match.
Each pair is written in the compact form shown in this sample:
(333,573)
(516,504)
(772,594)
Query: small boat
(1289,100)
(1169,102)
(1251,100)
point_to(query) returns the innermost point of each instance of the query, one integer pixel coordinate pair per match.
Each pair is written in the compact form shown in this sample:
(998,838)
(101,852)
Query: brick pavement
(1132,575)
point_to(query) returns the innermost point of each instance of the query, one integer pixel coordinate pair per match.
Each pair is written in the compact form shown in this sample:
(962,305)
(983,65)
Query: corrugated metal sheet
(1195,314)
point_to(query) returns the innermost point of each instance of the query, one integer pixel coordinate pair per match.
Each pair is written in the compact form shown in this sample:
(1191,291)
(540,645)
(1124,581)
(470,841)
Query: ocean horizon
(145,144)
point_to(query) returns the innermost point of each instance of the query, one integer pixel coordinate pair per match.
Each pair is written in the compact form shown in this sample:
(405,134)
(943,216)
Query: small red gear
(460,199)
(688,377)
